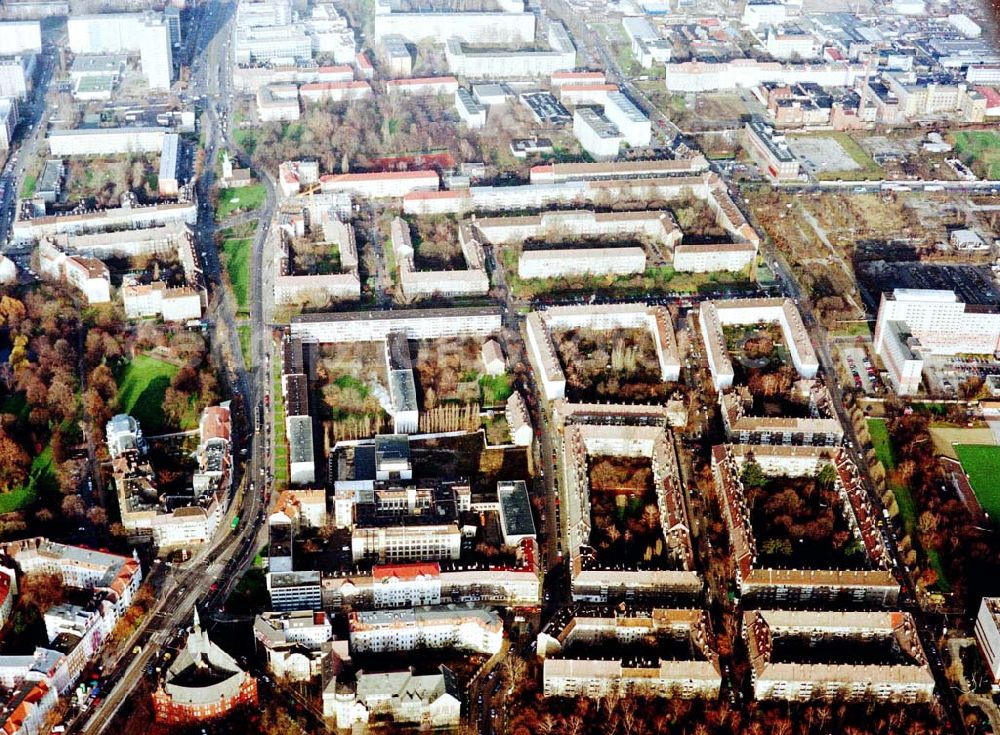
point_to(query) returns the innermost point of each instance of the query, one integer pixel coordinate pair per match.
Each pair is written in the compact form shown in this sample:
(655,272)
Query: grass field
(141,388)
(236,260)
(245,199)
(244,333)
(983,147)
(40,477)
(28,186)
(982,464)
(280,445)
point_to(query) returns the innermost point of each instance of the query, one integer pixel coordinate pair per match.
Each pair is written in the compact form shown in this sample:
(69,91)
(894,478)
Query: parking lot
(860,368)
(974,284)
(821,155)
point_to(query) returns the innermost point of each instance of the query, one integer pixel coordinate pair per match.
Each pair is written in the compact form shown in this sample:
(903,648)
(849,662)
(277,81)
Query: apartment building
(821,428)
(472,280)
(20,37)
(601,317)
(511,23)
(470,110)
(433,700)
(16,73)
(916,323)
(473,63)
(157,299)
(770,151)
(988,635)
(389,185)
(147,34)
(417,323)
(709,257)
(449,626)
(805,655)
(866,581)
(299,644)
(89,275)
(8,121)
(631,122)
(660,653)
(592,580)
(337,91)
(106,141)
(714,315)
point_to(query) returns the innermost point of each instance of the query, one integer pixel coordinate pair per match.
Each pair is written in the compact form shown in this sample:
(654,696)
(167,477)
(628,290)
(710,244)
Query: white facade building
(629,119)
(988,635)
(8,121)
(106,141)
(597,134)
(913,323)
(20,36)
(449,626)
(145,34)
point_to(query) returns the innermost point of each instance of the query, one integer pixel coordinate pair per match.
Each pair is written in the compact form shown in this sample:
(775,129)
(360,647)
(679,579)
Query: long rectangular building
(374,326)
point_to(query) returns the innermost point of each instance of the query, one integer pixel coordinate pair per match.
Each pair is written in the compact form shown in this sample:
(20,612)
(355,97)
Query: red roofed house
(365,67)
(6,594)
(992,100)
(406,585)
(436,202)
(24,712)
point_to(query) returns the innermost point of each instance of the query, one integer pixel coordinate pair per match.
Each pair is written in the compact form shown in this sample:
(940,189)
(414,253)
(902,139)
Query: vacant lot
(235,201)
(982,464)
(982,148)
(834,156)
(141,388)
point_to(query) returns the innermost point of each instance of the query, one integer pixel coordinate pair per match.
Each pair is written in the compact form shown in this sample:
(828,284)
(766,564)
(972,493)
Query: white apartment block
(20,37)
(602,317)
(647,45)
(406,542)
(422,86)
(417,323)
(106,141)
(988,635)
(15,75)
(8,121)
(173,304)
(335,91)
(714,315)
(472,63)
(914,323)
(389,185)
(35,228)
(511,24)
(563,262)
(600,137)
(758,13)
(629,119)
(775,637)
(278,103)
(708,257)
(89,275)
(472,112)
(145,34)
(296,642)
(449,626)
(270,45)
(706,76)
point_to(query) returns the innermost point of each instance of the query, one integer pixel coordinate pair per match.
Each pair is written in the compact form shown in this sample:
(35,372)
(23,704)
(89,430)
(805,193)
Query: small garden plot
(435,244)
(619,366)
(100,182)
(698,222)
(447,371)
(761,360)
(625,518)
(313,256)
(800,522)
(351,384)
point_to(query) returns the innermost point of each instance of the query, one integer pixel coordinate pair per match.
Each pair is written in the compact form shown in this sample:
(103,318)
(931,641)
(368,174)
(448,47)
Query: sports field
(982,464)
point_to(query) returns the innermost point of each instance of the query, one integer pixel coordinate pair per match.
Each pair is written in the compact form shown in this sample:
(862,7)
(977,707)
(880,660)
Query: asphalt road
(209,576)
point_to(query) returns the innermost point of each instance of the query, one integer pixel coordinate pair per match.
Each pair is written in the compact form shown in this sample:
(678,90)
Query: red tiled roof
(448,194)
(387,176)
(418,81)
(405,571)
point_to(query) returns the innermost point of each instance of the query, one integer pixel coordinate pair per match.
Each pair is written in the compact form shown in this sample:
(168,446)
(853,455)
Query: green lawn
(245,334)
(40,477)
(245,199)
(981,463)
(279,444)
(495,389)
(28,186)
(141,388)
(882,443)
(982,146)
(236,260)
